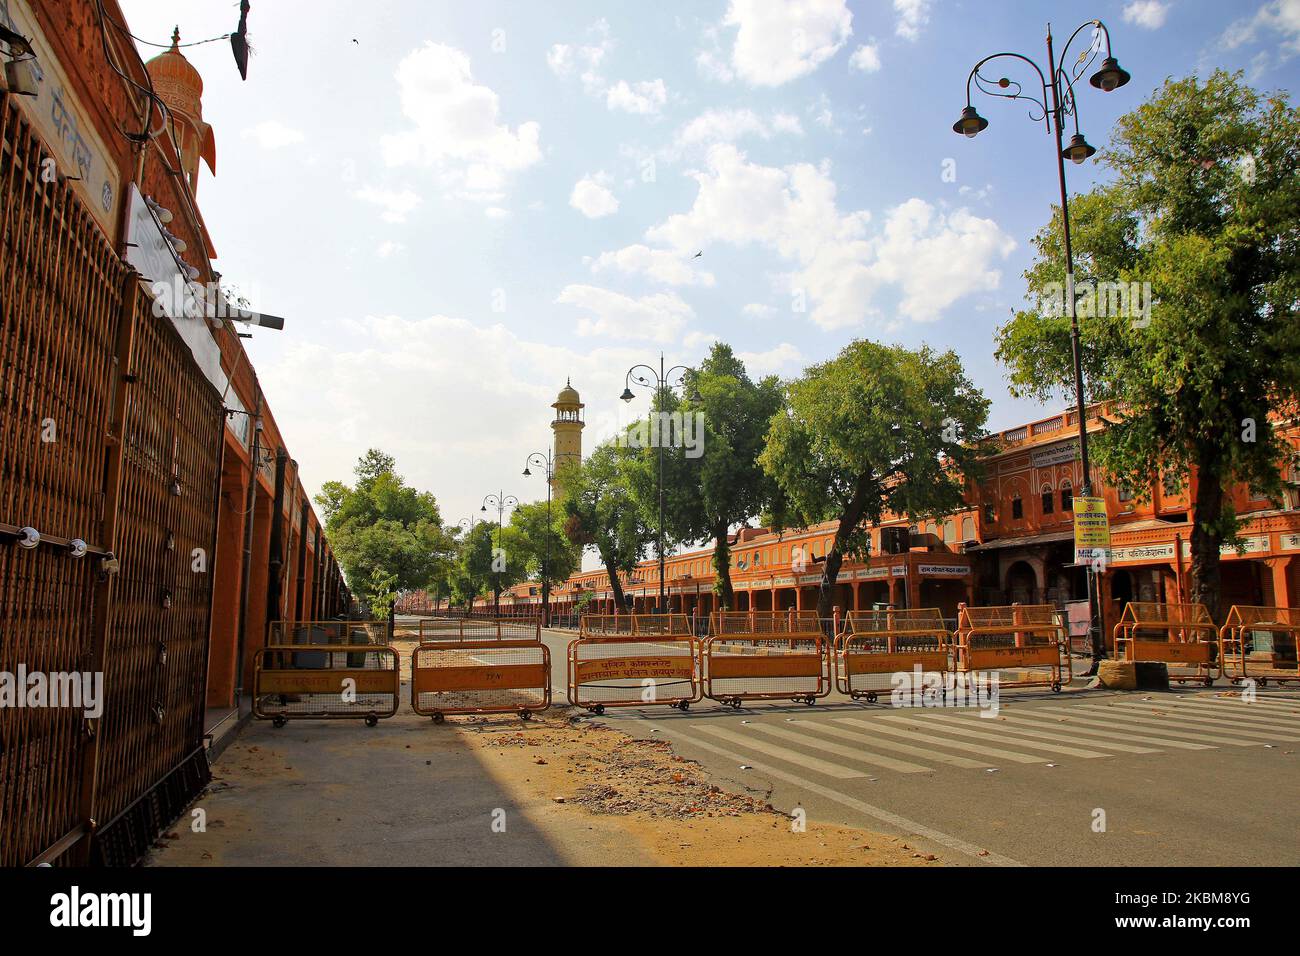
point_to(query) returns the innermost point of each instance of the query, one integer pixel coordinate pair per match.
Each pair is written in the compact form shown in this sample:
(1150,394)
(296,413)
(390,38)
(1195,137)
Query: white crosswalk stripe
(1231,725)
(1005,725)
(1122,717)
(1241,714)
(838,771)
(843,733)
(878,727)
(850,753)
(1093,728)
(947,723)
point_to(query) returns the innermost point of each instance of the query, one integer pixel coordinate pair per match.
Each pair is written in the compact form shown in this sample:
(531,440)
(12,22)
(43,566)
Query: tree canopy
(1204,207)
(878,430)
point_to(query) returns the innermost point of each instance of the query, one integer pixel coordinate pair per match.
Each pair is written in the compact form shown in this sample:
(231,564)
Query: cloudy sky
(457,205)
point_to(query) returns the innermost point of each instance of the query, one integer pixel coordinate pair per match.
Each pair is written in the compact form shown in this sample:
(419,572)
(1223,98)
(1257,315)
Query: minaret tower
(568,425)
(179,85)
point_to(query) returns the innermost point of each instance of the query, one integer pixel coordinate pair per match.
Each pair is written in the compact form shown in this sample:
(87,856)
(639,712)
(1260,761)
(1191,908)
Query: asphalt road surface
(1081,778)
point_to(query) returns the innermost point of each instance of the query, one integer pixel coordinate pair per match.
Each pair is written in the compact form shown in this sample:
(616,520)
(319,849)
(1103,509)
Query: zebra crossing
(843,745)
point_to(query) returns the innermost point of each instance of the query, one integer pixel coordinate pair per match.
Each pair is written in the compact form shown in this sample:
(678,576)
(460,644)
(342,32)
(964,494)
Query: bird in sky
(698,254)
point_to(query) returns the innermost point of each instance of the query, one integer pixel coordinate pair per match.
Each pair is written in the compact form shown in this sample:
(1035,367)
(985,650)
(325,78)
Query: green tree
(388,536)
(601,512)
(878,430)
(526,543)
(1203,206)
(721,484)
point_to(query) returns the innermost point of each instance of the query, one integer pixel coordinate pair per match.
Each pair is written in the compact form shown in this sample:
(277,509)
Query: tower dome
(567,426)
(180,86)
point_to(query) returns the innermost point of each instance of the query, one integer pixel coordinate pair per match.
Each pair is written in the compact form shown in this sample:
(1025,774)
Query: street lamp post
(1056,104)
(545,462)
(500,502)
(662,386)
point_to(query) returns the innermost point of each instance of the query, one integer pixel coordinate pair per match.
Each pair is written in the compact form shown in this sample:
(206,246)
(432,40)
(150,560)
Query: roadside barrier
(1178,635)
(480,629)
(765,655)
(285,633)
(1259,643)
(633,660)
(480,677)
(875,645)
(1027,637)
(325,682)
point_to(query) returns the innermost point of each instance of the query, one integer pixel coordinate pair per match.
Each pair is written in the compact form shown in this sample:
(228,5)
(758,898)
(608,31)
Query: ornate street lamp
(1056,103)
(501,502)
(545,462)
(662,383)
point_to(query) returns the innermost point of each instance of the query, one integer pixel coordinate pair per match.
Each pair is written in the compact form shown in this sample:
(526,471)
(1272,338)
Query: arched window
(1048,500)
(949,531)
(1017,508)
(968,528)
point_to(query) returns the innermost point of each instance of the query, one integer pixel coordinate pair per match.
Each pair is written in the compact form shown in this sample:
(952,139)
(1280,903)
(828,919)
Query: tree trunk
(722,569)
(831,568)
(616,586)
(1207,537)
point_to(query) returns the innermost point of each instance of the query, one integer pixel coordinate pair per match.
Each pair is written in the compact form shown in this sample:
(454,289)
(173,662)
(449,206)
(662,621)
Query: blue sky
(475,201)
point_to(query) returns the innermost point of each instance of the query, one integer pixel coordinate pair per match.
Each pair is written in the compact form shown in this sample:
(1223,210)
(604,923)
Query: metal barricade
(629,660)
(1178,635)
(1259,644)
(875,645)
(480,629)
(285,633)
(1028,637)
(765,655)
(328,682)
(480,677)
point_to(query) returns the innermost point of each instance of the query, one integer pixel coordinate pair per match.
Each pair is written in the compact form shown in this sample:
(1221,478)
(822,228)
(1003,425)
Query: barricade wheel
(871,697)
(735,703)
(278,721)
(810,701)
(525,715)
(438,718)
(598,709)
(371,720)
(1262,682)
(1209,682)
(1056,687)
(684,705)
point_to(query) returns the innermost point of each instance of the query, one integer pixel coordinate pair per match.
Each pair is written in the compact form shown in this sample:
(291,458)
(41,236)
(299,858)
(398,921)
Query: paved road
(1183,778)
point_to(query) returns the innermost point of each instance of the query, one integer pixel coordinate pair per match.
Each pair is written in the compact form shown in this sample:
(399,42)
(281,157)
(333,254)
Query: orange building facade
(1013,543)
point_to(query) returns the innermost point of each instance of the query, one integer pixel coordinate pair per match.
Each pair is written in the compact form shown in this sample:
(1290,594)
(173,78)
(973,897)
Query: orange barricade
(480,629)
(765,655)
(480,677)
(325,682)
(630,659)
(1027,637)
(1173,634)
(1259,643)
(875,645)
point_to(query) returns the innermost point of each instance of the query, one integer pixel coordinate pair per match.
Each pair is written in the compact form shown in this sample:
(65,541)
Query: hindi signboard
(1091,531)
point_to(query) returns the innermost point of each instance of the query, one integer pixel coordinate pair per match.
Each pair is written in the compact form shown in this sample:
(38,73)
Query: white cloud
(646,98)
(592,198)
(929,260)
(913,15)
(663,265)
(1148,14)
(496,212)
(565,58)
(866,58)
(757,310)
(1278,16)
(272,134)
(396,205)
(728,126)
(779,42)
(388,248)
(456,126)
(784,359)
(659,317)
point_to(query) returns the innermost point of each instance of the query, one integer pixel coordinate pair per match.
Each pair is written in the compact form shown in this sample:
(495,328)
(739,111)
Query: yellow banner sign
(1091,530)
